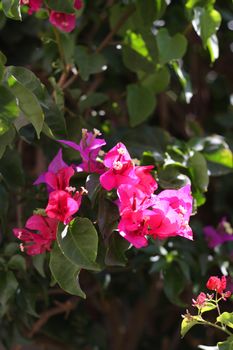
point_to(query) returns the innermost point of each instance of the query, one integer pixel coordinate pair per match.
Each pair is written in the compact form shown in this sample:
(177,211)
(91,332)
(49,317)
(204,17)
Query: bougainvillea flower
(33,5)
(58,175)
(40,241)
(217,284)
(60,180)
(223,233)
(181,201)
(64,21)
(78,4)
(146,182)
(89,148)
(131,198)
(200,301)
(62,205)
(121,169)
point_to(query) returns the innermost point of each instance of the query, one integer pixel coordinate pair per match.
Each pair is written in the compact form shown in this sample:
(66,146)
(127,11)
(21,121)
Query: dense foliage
(112,109)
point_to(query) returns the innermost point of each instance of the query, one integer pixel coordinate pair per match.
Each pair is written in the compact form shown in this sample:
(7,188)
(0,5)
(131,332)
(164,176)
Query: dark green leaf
(157,81)
(199,171)
(170,48)
(135,62)
(64,272)
(117,246)
(92,100)
(11,169)
(11,9)
(141,103)
(8,286)
(8,109)
(79,242)
(17,262)
(61,5)
(88,63)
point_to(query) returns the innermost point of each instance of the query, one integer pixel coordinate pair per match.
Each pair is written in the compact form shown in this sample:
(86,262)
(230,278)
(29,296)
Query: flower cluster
(64,21)
(143,213)
(64,201)
(217,236)
(217,285)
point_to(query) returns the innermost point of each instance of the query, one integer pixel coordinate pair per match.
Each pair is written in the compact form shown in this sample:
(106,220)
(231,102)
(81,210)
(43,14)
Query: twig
(60,308)
(119,24)
(105,42)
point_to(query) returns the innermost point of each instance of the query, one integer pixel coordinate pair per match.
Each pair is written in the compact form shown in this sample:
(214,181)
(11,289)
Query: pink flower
(39,242)
(146,182)
(217,236)
(64,21)
(62,205)
(200,301)
(89,148)
(181,202)
(217,284)
(133,205)
(33,5)
(121,169)
(78,4)
(58,175)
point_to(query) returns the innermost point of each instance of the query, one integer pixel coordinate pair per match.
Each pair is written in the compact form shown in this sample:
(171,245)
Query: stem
(60,48)
(204,322)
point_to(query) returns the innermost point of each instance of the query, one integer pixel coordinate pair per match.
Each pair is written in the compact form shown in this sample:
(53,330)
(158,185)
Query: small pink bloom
(40,241)
(62,205)
(58,175)
(64,21)
(78,4)
(200,301)
(181,201)
(33,5)
(146,182)
(216,284)
(89,148)
(121,169)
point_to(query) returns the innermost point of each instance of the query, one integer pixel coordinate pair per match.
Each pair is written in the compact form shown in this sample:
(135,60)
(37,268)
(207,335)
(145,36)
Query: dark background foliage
(170,101)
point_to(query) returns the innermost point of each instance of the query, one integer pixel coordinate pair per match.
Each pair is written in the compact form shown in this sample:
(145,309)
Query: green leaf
(61,5)
(223,156)
(11,169)
(88,63)
(199,171)
(2,65)
(4,205)
(187,324)
(208,306)
(11,9)
(117,246)
(17,262)
(226,345)
(157,81)
(92,100)
(9,110)
(141,103)
(172,177)
(78,241)
(206,22)
(150,10)
(64,272)
(136,62)
(8,286)
(170,48)
(38,262)
(226,318)
(6,139)
(213,48)
(93,187)
(28,103)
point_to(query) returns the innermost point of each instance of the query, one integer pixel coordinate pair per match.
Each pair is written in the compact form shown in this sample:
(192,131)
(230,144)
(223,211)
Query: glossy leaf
(64,272)
(141,103)
(11,9)
(79,243)
(170,48)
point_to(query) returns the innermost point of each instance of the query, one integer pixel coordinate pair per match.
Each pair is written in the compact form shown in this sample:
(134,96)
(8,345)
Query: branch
(60,308)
